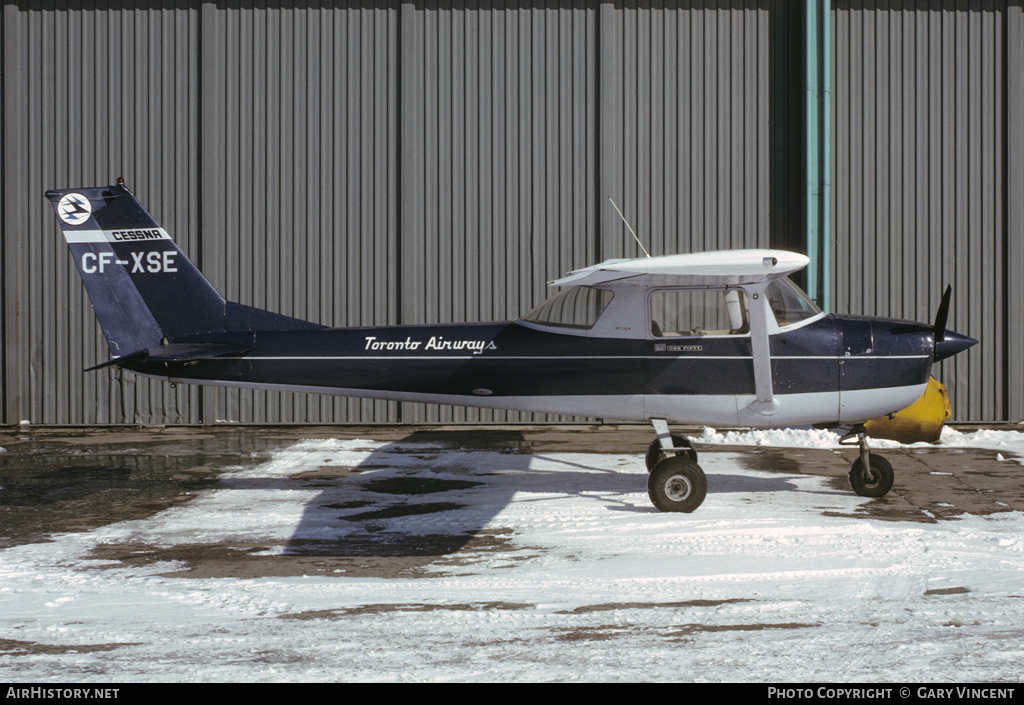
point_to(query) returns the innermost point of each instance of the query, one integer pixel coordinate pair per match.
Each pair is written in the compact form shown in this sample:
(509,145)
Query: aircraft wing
(754,269)
(725,267)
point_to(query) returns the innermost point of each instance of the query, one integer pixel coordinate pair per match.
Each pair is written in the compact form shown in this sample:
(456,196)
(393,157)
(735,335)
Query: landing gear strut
(871,475)
(676,482)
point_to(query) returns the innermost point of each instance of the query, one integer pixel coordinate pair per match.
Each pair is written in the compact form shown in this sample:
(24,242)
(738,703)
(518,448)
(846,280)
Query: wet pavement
(57,480)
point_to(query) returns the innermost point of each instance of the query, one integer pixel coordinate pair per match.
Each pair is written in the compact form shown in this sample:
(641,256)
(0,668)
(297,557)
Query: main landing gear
(676,482)
(870,475)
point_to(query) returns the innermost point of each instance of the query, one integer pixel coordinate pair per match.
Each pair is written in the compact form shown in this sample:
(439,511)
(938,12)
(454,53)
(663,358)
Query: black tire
(655,455)
(880,482)
(677,485)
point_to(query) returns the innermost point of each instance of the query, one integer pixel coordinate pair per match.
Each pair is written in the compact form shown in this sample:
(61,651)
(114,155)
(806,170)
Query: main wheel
(879,480)
(655,455)
(677,485)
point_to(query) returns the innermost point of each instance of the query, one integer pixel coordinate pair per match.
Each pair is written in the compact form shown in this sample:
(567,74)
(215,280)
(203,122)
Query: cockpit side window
(789,303)
(578,307)
(698,312)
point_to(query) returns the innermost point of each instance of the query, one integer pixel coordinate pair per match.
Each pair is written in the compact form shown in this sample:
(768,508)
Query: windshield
(789,302)
(578,307)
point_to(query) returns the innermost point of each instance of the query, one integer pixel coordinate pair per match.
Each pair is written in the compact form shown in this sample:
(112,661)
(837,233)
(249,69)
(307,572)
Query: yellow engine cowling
(921,421)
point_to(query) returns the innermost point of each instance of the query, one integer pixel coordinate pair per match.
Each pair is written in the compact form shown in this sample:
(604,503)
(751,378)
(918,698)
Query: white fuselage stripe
(568,357)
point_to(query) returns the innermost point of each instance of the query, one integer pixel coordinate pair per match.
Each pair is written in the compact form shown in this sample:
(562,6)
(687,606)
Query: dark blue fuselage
(831,354)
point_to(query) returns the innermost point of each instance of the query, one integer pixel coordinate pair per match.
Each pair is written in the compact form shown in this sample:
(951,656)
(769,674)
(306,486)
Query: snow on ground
(824,438)
(767,582)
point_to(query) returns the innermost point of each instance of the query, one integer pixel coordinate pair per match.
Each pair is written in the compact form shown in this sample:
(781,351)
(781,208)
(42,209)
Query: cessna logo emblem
(74,209)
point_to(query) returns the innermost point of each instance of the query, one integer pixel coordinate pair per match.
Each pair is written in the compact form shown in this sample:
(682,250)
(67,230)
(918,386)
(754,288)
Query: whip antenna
(630,228)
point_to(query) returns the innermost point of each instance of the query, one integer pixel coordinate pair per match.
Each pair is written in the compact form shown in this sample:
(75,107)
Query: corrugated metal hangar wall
(388,163)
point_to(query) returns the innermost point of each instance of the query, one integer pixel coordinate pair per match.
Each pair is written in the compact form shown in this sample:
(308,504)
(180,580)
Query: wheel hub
(677,488)
(871,478)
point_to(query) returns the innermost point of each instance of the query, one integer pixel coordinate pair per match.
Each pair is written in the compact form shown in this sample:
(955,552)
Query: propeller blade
(941,315)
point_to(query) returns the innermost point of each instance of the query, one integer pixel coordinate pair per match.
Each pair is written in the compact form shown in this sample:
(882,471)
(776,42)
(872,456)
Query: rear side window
(697,312)
(578,307)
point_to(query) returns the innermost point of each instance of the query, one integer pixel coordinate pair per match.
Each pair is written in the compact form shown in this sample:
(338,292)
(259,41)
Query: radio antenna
(630,228)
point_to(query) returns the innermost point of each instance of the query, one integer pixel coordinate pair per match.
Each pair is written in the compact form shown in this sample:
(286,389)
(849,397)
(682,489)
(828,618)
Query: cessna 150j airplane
(717,338)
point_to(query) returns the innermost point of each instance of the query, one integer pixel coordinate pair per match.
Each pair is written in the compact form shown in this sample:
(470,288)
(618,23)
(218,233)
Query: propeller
(942,314)
(947,343)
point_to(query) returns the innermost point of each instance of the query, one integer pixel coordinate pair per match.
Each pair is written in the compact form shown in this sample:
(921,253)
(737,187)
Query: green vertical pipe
(825,171)
(812,143)
(818,153)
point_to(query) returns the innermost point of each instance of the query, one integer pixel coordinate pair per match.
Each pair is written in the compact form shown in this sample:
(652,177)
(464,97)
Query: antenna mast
(630,228)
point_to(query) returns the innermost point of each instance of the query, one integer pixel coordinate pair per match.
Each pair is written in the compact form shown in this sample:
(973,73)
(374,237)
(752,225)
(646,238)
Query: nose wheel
(871,475)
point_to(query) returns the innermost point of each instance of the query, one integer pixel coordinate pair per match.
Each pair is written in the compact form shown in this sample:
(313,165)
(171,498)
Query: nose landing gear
(871,475)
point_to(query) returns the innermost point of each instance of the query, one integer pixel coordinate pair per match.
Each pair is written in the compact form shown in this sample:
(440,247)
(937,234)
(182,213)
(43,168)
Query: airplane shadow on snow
(432,493)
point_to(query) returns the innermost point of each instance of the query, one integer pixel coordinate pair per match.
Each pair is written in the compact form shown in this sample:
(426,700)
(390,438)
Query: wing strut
(757,304)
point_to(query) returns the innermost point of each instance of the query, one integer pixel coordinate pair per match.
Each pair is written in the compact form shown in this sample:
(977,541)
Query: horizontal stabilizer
(130,357)
(187,352)
(177,353)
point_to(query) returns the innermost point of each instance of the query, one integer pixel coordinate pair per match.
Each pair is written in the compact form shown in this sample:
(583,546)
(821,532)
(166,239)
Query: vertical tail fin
(142,286)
